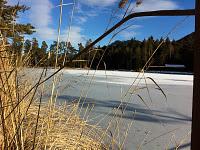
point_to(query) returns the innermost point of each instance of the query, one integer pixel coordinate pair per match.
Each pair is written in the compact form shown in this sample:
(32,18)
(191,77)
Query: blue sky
(92,16)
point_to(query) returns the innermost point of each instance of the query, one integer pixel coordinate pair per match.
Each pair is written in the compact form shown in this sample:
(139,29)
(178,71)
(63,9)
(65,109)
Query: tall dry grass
(28,123)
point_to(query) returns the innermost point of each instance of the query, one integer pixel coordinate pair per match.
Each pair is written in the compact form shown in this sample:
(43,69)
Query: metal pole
(195,141)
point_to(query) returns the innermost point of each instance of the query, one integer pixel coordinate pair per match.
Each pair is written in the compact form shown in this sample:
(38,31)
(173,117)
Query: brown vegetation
(27,123)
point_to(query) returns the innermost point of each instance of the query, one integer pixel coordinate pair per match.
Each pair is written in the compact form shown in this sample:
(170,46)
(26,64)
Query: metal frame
(195,143)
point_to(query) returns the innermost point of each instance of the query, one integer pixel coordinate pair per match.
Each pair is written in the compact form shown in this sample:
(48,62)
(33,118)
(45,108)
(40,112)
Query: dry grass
(27,123)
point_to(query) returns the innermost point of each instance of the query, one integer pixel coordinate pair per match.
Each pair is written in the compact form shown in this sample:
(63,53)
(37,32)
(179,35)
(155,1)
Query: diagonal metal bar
(136,15)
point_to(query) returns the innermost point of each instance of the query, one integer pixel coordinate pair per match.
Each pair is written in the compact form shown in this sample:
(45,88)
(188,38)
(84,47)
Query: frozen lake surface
(157,123)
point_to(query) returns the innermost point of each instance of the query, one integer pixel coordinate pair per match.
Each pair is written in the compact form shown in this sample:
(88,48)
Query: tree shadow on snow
(127,110)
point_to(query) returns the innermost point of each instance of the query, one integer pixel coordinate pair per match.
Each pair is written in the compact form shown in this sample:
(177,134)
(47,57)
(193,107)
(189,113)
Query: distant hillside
(189,37)
(185,47)
(133,54)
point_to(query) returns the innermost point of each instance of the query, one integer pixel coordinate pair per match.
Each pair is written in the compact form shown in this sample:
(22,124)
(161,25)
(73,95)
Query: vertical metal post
(195,142)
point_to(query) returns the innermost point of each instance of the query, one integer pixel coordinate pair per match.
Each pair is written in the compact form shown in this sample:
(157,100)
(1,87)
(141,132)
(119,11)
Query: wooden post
(195,141)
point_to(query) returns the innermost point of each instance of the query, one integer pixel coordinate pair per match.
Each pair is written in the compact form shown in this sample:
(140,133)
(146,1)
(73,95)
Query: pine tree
(42,56)
(150,43)
(27,47)
(138,58)
(35,52)
(44,47)
(72,51)
(80,48)
(88,55)
(8,16)
(144,51)
(12,30)
(16,47)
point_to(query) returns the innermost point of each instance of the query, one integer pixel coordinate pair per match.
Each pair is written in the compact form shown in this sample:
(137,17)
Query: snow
(175,113)
(106,93)
(127,78)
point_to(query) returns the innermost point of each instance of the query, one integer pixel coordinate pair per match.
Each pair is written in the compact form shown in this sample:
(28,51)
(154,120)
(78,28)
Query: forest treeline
(127,55)
(133,54)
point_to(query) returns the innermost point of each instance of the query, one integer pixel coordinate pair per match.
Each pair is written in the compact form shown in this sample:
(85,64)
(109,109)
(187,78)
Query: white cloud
(39,16)
(82,15)
(40,13)
(76,35)
(147,5)
(151,5)
(127,35)
(46,33)
(81,19)
(99,3)
(12,2)
(129,32)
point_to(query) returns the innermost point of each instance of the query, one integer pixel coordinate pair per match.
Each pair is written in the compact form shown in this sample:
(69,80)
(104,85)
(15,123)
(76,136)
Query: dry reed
(27,123)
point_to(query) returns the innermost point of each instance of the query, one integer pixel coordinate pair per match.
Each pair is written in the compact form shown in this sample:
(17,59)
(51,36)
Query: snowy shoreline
(127,78)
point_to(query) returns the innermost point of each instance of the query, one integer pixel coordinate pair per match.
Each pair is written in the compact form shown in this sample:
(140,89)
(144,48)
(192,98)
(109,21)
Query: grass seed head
(138,2)
(123,3)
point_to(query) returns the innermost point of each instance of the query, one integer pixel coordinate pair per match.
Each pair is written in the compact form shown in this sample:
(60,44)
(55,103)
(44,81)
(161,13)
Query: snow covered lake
(157,106)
